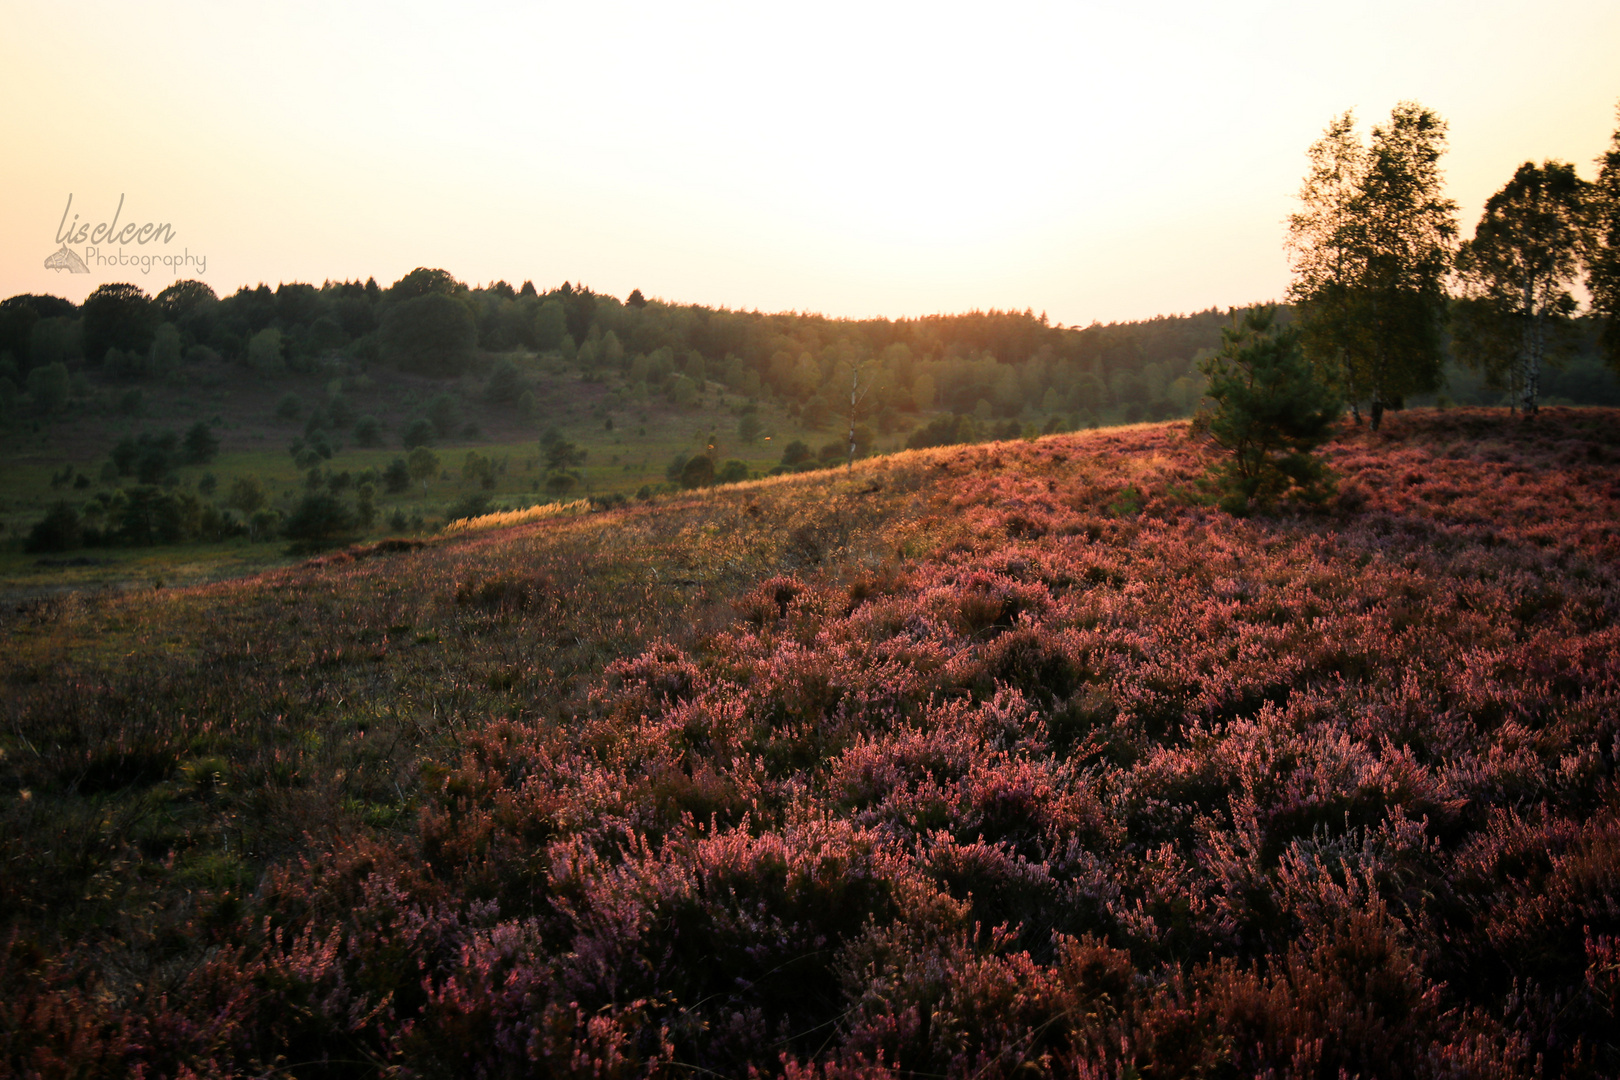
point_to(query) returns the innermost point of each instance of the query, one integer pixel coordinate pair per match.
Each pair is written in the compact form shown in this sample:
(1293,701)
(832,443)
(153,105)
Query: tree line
(1385,292)
(1375,245)
(1382,277)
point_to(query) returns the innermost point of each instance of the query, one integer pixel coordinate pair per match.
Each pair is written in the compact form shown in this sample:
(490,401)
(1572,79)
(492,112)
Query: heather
(1016,759)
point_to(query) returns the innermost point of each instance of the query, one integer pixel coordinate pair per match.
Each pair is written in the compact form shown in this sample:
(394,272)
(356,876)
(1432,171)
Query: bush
(942,431)
(200,446)
(418,432)
(505,383)
(731,472)
(397,477)
(150,515)
(155,456)
(697,472)
(319,519)
(368,432)
(444,413)
(59,530)
(471,505)
(247,494)
(289,407)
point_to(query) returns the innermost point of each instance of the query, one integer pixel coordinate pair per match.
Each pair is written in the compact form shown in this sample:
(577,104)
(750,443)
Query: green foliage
(445,413)
(290,407)
(1603,247)
(166,352)
(1271,409)
(50,387)
(942,431)
(368,432)
(698,471)
(505,383)
(1371,245)
(561,483)
(550,325)
(424,281)
(156,456)
(149,515)
(562,454)
(419,432)
(264,353)
(431,334)
(1517,272)
(423,464)
(59,530)
(365,505)
(732,472)
(478,469)
(200,445)
(55,339)
(338,411)
(246,494)
(118,316)
(320,518)
(396,477)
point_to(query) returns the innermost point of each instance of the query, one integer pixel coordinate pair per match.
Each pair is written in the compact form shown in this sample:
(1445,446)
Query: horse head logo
(63,259)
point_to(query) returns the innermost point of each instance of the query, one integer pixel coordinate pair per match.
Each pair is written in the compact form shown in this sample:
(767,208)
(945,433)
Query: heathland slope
(979,761)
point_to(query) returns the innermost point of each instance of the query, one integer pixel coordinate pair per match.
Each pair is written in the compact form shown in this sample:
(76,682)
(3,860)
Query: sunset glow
(854,159)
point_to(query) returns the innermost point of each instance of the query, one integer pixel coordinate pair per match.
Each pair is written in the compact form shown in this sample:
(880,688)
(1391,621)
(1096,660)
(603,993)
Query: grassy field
(629,446)
(1007,760)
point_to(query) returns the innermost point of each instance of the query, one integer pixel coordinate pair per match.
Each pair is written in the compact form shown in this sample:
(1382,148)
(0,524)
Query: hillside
(1007,759)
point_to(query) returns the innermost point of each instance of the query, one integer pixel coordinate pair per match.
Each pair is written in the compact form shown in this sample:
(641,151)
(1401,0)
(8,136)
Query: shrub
(397,477)
(59,530)
(200,445)
(1270,411)
(368,432)
(471,505)
(290,407)
(697,472)
(247,494)
(418,432)
(942,431)
(319,519)
(505,383)
(445,413)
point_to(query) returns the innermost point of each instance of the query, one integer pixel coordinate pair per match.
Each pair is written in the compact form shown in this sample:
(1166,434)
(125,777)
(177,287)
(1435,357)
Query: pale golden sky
(1095,161)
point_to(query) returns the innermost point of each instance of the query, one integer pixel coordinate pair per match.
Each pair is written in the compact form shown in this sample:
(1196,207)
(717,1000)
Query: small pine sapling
(1271,410)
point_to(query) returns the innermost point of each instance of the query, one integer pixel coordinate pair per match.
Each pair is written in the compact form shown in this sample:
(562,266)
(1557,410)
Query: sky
(1094,161)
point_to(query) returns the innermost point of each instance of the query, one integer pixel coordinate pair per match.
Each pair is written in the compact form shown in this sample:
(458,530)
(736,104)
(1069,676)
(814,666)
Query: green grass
(241,407)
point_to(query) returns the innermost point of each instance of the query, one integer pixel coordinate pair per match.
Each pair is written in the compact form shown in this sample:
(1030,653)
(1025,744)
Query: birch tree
(1371,246)
(1517,273)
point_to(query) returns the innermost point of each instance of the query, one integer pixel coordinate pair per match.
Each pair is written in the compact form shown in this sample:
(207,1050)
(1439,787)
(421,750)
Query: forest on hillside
(985,365)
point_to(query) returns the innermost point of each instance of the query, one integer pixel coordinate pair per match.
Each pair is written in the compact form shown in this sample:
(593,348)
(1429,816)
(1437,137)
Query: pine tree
(1272,409)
